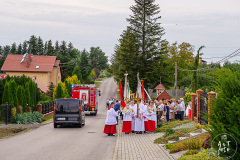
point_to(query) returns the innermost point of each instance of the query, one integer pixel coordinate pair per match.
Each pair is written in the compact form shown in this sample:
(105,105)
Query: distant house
(161,93)
(2,75)
(42,69)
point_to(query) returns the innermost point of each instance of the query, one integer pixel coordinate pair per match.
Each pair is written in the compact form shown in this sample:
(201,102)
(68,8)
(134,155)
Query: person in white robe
(134,108)
(127,119)
(151,116)
(111,121)
(139,122)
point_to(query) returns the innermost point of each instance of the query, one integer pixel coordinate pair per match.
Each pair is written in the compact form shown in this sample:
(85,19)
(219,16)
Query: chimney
(28,60)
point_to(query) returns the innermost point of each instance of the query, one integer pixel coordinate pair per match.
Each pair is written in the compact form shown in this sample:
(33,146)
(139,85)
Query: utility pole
(175,87)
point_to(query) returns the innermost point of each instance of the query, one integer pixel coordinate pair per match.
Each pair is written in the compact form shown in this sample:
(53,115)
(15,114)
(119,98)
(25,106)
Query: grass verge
(47,119)
(9,132)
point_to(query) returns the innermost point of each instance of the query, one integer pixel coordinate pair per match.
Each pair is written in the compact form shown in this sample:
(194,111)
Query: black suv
(68,111)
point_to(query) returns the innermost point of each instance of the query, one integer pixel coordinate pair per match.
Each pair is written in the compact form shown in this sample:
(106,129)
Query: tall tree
(45,48)
(56,50)
(1,50)
(146,56)
(195,67)
(6,94)
(19,49)
(13,48)
(24,48)
(40,46)
(50,48)
(6,50)
(84,65)
(32,45)
(63,48)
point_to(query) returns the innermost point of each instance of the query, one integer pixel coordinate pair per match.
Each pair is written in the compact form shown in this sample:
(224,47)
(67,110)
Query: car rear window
(67,106)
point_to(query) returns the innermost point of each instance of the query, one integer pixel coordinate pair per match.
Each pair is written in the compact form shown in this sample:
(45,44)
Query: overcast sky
(86,23)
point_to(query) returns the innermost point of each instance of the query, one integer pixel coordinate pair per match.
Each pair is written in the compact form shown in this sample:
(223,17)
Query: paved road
(69,143)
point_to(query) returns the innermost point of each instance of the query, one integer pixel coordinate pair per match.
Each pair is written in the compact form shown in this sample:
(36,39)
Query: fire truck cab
(89,94)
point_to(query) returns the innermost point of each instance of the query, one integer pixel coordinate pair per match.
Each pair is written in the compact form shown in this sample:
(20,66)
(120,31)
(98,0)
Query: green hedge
(28,118)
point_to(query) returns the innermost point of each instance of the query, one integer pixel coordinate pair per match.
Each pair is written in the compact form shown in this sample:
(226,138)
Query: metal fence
(204,108)
(47,107)
(6,113)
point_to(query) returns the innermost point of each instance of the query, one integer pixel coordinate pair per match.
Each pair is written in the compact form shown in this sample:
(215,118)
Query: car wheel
(95,113)
(55,125)
(80,124)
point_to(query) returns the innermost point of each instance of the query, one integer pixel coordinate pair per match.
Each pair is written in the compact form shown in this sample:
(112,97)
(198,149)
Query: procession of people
(142,116)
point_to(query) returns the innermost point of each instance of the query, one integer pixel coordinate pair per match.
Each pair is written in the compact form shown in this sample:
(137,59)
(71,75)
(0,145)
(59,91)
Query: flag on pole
(121,96)
(139,90)
(175,86)
(126,96)
(143,93)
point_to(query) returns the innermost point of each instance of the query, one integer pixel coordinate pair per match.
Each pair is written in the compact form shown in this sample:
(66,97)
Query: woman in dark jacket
(166,109)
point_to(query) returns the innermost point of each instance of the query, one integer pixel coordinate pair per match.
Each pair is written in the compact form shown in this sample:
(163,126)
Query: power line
(235,53)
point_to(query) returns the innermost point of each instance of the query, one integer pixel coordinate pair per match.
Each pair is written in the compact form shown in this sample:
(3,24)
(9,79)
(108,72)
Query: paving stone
(138,147)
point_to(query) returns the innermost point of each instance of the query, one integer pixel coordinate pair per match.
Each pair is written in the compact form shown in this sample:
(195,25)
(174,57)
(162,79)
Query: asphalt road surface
(65,143)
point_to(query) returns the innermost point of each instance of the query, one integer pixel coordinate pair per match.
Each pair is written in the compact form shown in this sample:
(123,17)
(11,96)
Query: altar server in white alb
(111,121)
(145,118)
(139,122)
(151,116)
(134,108)
(127,119)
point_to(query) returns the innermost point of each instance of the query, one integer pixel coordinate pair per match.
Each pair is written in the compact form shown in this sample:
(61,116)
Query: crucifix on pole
(137,99)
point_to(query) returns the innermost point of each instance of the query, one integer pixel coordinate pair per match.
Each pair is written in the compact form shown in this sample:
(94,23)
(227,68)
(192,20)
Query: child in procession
(151,116)
(111,121)
(127,119)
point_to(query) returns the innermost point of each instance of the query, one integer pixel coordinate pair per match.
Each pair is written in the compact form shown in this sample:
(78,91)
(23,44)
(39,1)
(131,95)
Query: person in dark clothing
(166,109)
(117,108)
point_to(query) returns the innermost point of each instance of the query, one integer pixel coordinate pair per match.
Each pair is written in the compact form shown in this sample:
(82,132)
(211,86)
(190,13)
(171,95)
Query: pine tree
(20,95)
(13,48)
(146,31)
(19,49)
(13,90)
(1,50)
(39,46)
(45,48)
(49,48)
(32,45)
(24,47)
(6,94)
(50,91)
(63,48)
(27,95)
(56,50)
(6,50)
(60,91)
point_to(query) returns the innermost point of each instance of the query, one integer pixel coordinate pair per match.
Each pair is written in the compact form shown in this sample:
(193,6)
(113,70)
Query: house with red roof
(42,69)
(162,93)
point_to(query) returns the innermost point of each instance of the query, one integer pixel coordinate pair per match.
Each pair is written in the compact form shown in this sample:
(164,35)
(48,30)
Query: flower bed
(195,143)
(170,125)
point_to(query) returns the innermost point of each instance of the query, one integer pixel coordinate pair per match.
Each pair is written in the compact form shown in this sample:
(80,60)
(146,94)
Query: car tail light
(54,108)
(80,109)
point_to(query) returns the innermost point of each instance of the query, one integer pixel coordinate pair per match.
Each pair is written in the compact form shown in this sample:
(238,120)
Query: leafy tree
(84,65)
(13,48)
(40,47)
(77,72)
(98,60)
(19,49)
(69,82)
(60,91)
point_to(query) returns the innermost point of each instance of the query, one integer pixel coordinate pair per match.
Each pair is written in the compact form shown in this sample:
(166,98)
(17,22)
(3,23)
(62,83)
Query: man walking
(117,108)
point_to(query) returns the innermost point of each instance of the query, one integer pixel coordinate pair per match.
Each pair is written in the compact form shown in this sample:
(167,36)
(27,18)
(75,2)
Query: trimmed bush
(190,152)
(29,118)
(169,132)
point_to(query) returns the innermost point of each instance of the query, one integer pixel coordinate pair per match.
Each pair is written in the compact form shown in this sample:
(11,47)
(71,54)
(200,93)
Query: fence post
(199,92)
(210,104)
(6,121)
(193,95)
(27,109)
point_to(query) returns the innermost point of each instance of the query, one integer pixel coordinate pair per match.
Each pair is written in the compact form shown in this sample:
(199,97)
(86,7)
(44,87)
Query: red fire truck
(89,94)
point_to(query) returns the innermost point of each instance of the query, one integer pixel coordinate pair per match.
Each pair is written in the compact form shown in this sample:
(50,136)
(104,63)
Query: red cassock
(127,126)
(151,126)
(189,113)
(110,129)
(146,125)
